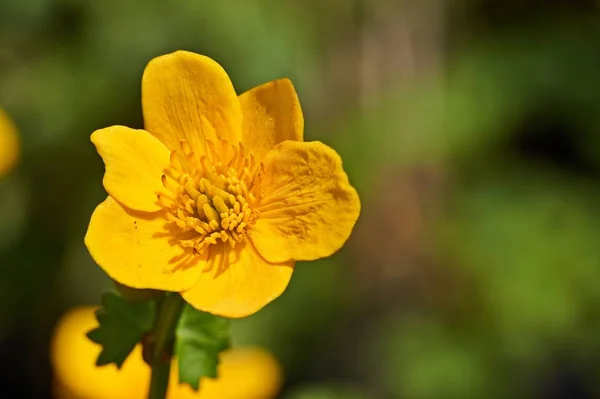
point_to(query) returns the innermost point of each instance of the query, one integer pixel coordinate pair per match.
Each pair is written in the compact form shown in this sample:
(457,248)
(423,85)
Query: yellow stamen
(211,195)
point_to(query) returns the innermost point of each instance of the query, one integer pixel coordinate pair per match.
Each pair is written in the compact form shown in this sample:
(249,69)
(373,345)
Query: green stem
(159,382)
(163,338)
(164,329)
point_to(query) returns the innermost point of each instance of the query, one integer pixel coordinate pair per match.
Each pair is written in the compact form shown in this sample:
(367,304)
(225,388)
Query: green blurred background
(470,128)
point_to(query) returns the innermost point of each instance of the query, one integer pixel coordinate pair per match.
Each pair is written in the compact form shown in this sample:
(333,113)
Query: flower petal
(272,114)
(186,96)
(237,282)
(135,162)
(309,208)
(137,250)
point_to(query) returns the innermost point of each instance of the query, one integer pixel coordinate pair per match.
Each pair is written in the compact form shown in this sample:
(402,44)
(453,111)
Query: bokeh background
(470,128)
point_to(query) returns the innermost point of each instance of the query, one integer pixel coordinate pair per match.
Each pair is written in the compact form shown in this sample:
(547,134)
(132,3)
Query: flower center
(210,196)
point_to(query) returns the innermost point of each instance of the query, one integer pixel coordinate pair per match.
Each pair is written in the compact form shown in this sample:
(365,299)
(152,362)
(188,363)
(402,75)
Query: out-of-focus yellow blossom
(9,144)
(219,195)
(244,373)
(74,356)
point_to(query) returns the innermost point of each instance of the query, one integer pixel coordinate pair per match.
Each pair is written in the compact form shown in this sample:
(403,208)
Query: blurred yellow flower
(244,373)
(219,196)
(9,144)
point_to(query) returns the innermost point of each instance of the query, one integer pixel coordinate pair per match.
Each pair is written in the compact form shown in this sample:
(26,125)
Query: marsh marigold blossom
(244,372)
(219,195)
(9,144)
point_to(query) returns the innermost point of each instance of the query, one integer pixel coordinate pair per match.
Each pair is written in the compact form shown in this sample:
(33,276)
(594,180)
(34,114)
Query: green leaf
(122,326)
(200,337)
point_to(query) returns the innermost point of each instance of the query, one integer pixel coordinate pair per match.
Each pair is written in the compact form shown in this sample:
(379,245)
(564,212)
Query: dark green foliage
(200,337)
(122,326)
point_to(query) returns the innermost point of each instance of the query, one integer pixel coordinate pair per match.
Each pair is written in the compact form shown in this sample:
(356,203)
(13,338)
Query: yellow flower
(218,196)
(9,144)
(244,373)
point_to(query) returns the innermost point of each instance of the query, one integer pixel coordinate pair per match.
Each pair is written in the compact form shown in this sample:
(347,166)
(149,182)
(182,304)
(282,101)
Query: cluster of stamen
(211,196)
